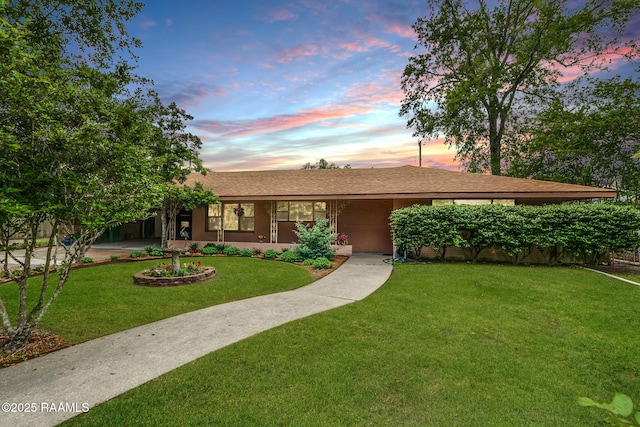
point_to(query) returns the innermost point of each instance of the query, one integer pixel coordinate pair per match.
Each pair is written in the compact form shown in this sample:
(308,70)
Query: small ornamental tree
(177,198)
(176,152)
(78,141)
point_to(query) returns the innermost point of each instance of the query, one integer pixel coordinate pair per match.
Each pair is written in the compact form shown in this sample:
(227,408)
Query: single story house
(259,209)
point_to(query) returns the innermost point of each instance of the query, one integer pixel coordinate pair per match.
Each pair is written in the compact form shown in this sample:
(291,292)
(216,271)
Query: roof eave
(557,195)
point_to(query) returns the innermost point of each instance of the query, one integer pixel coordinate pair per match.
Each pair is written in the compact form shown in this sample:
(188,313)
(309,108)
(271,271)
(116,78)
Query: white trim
(614,277)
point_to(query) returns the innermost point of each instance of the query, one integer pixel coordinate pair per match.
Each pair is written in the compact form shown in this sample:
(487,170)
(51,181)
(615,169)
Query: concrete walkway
(80,377)
(98,251)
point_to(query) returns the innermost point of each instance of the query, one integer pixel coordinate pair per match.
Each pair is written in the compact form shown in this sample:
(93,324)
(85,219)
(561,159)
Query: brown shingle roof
(399,182)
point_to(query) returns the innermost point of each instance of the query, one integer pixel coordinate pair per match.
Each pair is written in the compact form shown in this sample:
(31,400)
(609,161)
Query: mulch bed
(618,267)
(40,343)
(338,260)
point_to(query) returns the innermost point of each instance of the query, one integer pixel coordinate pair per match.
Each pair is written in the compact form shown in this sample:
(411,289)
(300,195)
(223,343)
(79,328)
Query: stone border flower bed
(141,279)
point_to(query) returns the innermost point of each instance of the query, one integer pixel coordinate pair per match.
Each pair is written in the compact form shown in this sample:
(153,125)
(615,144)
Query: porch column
(332,213)
(273,238)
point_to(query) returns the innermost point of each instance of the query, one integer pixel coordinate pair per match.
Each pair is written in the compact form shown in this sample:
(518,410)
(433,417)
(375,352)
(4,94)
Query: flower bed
(141,279)
(164,275)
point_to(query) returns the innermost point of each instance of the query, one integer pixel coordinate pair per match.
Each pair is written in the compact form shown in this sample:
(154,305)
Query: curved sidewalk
(85,375)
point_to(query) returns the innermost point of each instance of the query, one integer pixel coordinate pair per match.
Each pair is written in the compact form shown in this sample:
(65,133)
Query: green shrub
(219,246)
(322,263)
(114,257)
(270,254)
(308,261)
(246,252)
(86,260)
(315,241)
(231,251)
(587,231)
(290,256)
(210,250)
(137,254)
(153,251)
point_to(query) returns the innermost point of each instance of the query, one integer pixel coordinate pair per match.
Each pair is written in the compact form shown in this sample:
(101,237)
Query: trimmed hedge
(587,231)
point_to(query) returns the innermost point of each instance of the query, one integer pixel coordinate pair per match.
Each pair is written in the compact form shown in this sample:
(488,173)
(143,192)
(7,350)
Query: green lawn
(437,345)
(101,300)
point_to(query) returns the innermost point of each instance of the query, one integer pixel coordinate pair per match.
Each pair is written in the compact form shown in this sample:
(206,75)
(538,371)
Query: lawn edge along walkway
(613,276)
(85,375)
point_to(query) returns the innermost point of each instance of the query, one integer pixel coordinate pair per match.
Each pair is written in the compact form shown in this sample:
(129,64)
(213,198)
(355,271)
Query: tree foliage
(588,137)
(323,164)
(82,147)
(479,62)
(177,154)
(182,197)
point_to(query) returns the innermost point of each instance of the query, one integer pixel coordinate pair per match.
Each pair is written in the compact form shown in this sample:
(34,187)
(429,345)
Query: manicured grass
(437,345)
(629,276)
(101,300)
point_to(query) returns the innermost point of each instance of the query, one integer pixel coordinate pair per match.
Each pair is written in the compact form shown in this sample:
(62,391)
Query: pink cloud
(392,25)
(401,30)
(352,47)
(365,44)
(299,51)
(372,93)
(400,151)
(280,15)
(241,128)
(610,59)
(374,42)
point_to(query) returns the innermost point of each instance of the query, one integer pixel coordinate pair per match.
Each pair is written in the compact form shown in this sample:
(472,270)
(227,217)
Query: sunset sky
(277,84)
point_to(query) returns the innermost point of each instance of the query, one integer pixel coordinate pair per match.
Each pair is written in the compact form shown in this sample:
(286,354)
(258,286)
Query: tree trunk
(163,222)
(18,338)
(175,260)
(494,145)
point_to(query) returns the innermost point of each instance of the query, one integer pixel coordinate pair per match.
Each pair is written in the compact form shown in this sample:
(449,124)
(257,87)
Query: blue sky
(277,84)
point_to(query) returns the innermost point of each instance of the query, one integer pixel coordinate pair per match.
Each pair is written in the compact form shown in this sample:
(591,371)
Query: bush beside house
(316,240)
(585,231)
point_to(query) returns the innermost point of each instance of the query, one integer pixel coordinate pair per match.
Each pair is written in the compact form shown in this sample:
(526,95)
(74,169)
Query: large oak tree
(478,60)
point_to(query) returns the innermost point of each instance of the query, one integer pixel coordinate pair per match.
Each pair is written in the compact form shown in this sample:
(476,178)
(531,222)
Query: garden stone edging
(141,279)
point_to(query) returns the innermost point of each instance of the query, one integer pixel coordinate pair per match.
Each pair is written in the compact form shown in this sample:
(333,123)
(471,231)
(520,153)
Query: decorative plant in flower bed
(165,274)
(166,270)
